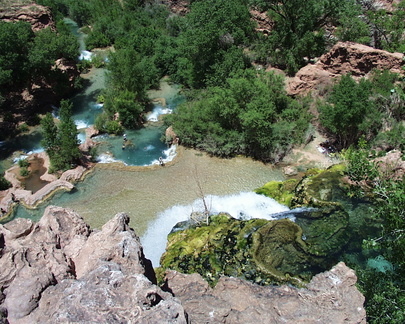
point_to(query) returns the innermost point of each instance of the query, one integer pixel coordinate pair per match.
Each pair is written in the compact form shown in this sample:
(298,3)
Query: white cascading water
(157,111)
(245,205)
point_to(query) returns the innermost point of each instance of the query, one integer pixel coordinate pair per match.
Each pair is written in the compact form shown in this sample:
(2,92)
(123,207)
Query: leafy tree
(15,39)
(125,72)
(212,29)
(250,115)
(298,29)
(49,136)
(350,113)
(4,184)
(67,136)
(352,24)
(60,142)
(387,28)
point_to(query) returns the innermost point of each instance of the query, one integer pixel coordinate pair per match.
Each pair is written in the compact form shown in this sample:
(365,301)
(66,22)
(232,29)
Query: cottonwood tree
(60,141)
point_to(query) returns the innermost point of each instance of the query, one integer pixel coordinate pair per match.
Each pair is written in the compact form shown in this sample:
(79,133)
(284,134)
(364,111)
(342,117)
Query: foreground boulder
(330,297)
(61,271)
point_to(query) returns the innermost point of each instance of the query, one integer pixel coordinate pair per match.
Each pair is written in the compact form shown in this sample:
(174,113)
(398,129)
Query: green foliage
(385,298)
(60,142)
(250,115)
(298,29)
(15,39)
(353,24)
(4,184)
(23,128)
(388,28)
(104,124)
(350,113)
(212,34)
(23,163)
(24,172)
(384,293)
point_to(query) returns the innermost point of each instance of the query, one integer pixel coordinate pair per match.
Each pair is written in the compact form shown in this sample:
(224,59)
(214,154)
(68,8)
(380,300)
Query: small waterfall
(157,111)
(245,205)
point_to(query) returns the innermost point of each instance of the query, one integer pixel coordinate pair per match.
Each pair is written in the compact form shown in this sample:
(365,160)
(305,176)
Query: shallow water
(145,192)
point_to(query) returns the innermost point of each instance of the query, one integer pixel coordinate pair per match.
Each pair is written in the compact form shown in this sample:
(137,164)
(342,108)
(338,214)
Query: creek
(152,196)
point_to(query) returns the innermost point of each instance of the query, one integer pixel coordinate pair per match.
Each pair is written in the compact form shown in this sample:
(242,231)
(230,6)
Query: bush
(24,172)
(4,184)
(23,128)
(23,163)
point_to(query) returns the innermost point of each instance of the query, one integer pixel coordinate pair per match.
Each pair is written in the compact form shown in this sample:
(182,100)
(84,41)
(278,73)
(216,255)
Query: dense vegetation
(381,283)
(250,114)
(373,108)
(60,140)
(26,59)
(233,108)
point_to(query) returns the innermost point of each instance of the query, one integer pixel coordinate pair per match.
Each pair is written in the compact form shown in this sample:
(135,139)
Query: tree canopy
(249,115)
(60,140)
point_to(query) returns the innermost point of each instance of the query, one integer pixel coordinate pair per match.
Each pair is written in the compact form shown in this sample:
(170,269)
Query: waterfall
(245,205)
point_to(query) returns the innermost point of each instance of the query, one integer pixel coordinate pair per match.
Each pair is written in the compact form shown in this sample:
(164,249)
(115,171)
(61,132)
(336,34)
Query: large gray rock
(59,271)
(331,297)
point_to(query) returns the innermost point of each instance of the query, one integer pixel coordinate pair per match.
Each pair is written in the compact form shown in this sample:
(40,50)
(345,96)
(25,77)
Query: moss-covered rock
(281,191)
(264,251)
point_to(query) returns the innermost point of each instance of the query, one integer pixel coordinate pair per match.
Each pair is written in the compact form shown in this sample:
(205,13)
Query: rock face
(38,16)
(330,297)
(60,271)
(343,58)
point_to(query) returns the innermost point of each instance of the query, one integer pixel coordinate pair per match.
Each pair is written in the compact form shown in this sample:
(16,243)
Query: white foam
(21,157)
(98,105)
(245,205)
(157,111)
(168,155)
(37,150)
(106,158)
(85,55)
(149,147)
(81,124)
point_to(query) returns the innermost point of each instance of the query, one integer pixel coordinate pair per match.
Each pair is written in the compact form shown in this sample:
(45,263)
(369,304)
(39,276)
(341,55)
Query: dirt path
(309,156)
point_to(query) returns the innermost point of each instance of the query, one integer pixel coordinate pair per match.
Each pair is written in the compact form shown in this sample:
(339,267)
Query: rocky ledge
(59,271)
(345,57)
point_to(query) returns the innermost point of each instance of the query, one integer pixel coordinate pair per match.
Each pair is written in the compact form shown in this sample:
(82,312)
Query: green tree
(60,141)
(49,136)
(67,137)
(298,30)
(15,40)
(212,29)
(249,115)
(350,113)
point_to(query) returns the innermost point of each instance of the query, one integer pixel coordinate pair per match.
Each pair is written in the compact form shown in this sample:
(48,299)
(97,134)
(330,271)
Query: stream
(154,197)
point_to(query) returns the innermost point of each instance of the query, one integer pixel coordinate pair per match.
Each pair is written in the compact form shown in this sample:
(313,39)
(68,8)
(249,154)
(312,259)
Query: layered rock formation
(60,271)
(343,58)
(38,16)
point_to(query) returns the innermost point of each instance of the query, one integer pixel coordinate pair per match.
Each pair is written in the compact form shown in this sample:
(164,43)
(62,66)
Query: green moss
(282,192)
